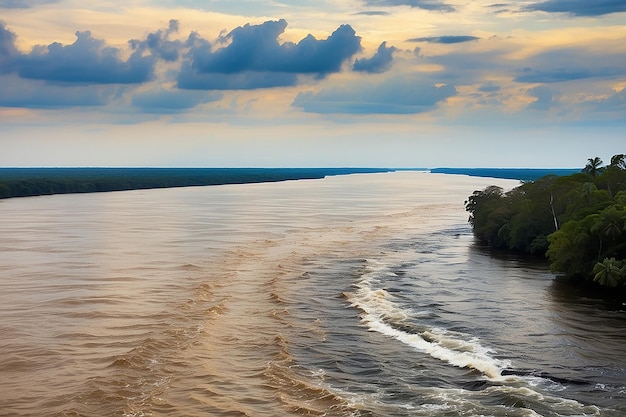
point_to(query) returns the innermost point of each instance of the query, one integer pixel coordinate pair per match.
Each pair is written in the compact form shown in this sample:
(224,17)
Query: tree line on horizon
(29,182)
(577,221)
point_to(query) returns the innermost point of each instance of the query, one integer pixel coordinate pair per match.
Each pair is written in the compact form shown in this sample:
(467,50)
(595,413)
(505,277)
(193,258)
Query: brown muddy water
(358,295)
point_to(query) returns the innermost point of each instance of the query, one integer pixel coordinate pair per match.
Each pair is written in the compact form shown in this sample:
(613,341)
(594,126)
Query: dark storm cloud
(379,62)
(397,95)
(579,7)
(253,57)
(445,39)
(420,4)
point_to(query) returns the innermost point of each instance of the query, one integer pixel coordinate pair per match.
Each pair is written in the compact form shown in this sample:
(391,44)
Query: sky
(326,83)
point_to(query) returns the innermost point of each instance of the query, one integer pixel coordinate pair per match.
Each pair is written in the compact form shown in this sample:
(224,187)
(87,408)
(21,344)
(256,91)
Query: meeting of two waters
(356,295)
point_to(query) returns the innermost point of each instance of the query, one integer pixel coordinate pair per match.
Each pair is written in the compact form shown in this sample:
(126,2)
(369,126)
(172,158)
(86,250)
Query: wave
(303,391)
(383,314)
(519,392)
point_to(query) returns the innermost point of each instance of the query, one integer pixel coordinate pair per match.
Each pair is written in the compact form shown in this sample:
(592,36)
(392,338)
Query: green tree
(613,179)
(573,249)
(609,273)
(587,189)
(577,221)
(594,166)
(619,161)
(608,228)
(488,214)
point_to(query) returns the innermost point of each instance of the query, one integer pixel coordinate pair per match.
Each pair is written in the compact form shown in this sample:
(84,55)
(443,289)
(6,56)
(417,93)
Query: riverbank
(576,221)
(522,174)
(29,182)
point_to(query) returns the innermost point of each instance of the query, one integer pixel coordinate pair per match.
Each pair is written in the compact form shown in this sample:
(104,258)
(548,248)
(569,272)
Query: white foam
(380,312)
(474,360)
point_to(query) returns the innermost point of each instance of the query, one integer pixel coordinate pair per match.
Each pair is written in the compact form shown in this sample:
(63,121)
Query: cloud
(171,101)
(394,95)
(159,44)
(540,68)
(374,13)
(87,60)
(8,51)
(420,4)
(552,75)
(614,103)
(544,98)
(251,56)
(579,7)
(60,76)
(17,92)
(466,66)
(256,48)
(445,39)
(469,65)
(489,87)
(500,7)
(248,80)
(379,62)
(23,4)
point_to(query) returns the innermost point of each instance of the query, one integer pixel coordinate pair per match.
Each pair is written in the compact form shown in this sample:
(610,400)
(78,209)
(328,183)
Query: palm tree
(608,273)
(619,161)
(607,226)
(609,223)
(594,166)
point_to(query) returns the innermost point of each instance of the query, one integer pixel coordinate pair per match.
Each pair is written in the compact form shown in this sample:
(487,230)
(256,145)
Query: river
(356,295)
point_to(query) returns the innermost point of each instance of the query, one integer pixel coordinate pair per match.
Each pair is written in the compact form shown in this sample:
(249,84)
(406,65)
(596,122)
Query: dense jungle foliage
(578,221)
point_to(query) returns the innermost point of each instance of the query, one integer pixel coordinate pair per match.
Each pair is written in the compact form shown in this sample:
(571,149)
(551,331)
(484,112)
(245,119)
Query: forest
(28,182)
(577,221)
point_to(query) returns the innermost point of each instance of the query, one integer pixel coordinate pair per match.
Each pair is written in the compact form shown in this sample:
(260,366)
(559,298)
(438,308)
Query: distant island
(577,221)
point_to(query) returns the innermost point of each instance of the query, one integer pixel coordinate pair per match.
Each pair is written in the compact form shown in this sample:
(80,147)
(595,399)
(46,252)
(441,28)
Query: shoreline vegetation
(522,174)
(576,221)
(30,182)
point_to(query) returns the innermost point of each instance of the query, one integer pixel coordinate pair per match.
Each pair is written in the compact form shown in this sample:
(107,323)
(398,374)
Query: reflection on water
(592,327)
(361,295)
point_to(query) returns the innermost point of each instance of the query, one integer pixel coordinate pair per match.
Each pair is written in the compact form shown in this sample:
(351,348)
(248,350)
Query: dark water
(361,295)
